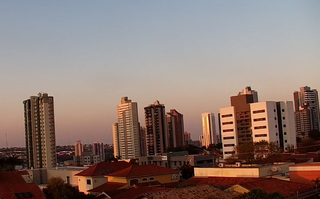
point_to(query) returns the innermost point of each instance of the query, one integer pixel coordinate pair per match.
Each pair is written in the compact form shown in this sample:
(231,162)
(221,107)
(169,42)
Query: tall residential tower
(40,131)
(209,134)
(126,131)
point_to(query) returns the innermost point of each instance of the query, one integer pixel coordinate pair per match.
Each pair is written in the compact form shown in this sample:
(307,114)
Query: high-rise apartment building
(269,121)
(247,90)
(78,148)
(187,138)
(156,132)
(209,134)
(175,129)
(143,141)
(40,131)
(306,107)
(116,149)
(98,150)
(127,132)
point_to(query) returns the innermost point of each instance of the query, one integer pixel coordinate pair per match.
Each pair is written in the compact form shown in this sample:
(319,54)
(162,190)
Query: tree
(316,182)
(260,194)
(187,171)
(314,134)
(57,189)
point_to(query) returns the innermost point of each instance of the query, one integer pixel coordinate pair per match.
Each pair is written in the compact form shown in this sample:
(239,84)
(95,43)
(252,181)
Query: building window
(228,145)
(275,118)
(228,138)
(228,130)
(274,110)
(284,125)
(134,181)
(228,115)
(283,118)
(225,123)
(260,135)
(229,152)
(144,179)
(88,182)
(151,178)
(282,110)
(68,180)
(285,133)
(259,111)
(285,141)
(276,126)
(259,119)
(276,134)
(260,127)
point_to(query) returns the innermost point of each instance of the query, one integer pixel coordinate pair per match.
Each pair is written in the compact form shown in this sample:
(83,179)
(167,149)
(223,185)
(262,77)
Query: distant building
(247,90)
(209,134)
(98,149)
(306,107)
(127,132)
(116,149)
(187,138)
(78,148)
(87,158)
(40,131)
(177,137)
(143,141)
(156,135)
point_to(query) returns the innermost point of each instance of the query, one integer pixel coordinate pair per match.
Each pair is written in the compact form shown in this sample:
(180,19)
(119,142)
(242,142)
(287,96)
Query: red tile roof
(13,182)
(285,188)
(102,168)
(137,192)
(142,170)
(270,185)
(106,187)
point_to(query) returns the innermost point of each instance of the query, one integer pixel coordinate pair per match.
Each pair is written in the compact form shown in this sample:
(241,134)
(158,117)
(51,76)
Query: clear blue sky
(189,55)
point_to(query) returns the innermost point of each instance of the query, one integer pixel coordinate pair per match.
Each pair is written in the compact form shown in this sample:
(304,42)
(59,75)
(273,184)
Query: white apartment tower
(128,130)
(78,148)
(269,121)
(209,134)
(40,131)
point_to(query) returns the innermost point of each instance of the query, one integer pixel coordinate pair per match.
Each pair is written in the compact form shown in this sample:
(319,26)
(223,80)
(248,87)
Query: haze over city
(190,55)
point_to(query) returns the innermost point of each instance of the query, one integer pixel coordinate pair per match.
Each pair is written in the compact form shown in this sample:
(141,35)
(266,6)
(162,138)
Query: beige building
(78,148)
(126,136)
(40,131)
(209,134)
(176,160)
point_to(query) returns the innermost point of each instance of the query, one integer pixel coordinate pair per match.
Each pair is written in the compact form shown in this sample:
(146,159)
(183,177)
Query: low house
(94,175)
(137,176)
(18,184)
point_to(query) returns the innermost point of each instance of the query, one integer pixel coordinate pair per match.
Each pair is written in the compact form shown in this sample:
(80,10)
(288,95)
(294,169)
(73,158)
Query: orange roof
(12,183)
(137,192)
(142,170)
(103,168)
(270,185)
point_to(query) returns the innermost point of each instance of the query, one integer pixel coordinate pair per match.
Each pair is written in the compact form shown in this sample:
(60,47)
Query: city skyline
(192,58)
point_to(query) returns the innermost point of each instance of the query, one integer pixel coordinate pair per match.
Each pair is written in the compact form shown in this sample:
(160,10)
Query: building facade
(156,132)
(306,107)
(78,148)
(128,129)
(209,134)
(269,121)
(98,150)
(40,131)
(247,90)
(116,150)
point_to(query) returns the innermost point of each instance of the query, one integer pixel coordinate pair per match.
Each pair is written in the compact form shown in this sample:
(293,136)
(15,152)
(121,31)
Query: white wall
(225,127)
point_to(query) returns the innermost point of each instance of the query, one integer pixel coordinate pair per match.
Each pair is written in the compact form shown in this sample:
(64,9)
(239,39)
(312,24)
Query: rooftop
(103,168)
(142,170)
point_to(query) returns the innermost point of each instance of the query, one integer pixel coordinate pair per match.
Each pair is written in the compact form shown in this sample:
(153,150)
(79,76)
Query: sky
(190,55)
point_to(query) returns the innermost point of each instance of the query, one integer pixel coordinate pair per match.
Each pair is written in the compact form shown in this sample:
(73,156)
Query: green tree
(260,194)
(57,189)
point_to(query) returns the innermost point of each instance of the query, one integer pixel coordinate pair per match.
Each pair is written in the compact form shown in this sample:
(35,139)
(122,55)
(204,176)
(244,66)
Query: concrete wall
(227,172)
